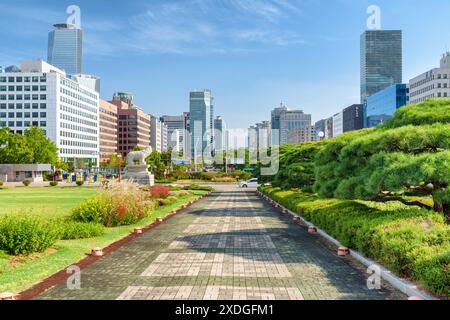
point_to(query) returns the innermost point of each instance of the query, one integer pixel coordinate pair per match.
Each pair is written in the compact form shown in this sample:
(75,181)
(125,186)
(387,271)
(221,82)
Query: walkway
(229,246)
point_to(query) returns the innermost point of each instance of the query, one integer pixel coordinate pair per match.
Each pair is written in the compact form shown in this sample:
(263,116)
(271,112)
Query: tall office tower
(65,48)
(176,131)
(41,95)
(381,61)
(200,123)
(382,105)
(219,133)
(292,119)
(338,124)
(164,137)
(108,130)
(133,126)
(275,122)
(156,134)
(431,84)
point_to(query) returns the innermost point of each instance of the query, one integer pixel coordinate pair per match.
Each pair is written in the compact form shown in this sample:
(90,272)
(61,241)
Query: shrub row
(198,188)
(413,242)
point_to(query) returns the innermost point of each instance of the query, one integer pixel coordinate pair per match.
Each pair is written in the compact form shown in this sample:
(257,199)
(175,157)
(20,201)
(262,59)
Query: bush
(120,204)
(412,242)
(1,183)
(80,230)
(80,183)
(25,234)
(26,183)
(53,183)
(159,192)
(198,188)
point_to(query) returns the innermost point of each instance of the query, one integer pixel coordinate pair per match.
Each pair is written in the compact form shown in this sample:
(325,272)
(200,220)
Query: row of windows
(23,115)
(108,112)
(27,124)
(23,88)
(23,79)
(77,112)
(77,120)
(78,97)
(74,127)
(428,79)
(77,88)
(77,152)
(13,97)
(107,131)
(77,104)
(72,143)
(77,136)
(20,106)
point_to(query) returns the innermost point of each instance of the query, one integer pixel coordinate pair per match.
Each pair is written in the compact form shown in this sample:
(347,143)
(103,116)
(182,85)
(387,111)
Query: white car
(252,183)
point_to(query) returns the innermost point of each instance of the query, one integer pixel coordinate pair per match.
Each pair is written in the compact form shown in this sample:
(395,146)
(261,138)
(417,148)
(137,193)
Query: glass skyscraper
(381,61)
(382,105)
(65,48)
(200,105)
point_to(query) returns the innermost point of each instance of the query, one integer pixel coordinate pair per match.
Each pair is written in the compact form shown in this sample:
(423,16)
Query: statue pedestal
(139,174)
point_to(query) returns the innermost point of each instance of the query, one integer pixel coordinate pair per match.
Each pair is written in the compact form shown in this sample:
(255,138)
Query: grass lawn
(21,272)
(49,201)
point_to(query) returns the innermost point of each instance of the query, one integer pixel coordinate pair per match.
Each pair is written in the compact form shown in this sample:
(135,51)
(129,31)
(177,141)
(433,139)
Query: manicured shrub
(1,183)
(80,183)
(199,188)
(81,230)
(122,203)
(25,234)
(26,183)
(413,242)
(53,183)
(161,192)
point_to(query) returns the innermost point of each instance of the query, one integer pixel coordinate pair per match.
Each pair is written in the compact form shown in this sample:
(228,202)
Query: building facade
(353,118)
(108,130)
(156,134)
(65,48)
(164,138)
(219,134)
(302,134)
(432,84)
(275,123)
(133,127)
(381,61)
(338,124)
(382,105)
(200,109)
(176,131)
(41,95)
(292,119)
(325,126)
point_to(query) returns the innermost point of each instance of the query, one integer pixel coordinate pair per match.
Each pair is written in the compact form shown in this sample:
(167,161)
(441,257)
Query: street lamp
(321,135)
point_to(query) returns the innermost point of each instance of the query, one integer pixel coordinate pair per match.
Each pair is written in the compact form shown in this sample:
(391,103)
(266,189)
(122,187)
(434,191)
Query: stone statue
(137,158)
(137,169)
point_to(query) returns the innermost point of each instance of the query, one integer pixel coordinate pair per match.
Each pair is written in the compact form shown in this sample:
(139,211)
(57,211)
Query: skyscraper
(65,48)
(200,109)
(381,61)
(219,134)
(292,119)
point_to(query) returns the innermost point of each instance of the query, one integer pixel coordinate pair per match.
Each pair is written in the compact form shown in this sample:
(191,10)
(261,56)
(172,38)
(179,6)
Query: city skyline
(296,78)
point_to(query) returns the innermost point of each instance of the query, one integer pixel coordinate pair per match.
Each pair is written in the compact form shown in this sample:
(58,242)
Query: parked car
(249,183)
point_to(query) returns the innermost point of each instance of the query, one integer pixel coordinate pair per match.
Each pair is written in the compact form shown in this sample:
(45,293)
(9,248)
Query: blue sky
(252,54)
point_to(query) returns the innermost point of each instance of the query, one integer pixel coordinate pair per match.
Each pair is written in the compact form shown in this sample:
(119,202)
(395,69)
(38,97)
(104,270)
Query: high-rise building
(156,134)
(41,95)
(431,84)
(87,80)
(382,105)
(353,118)
(338,124)
(381,61)
(65,48)
(219,134)
(164,137)
(302,134)
(200,123)
(176,131)
(290,120)
(133,126)
(108,130)
(325,126)
(275,122)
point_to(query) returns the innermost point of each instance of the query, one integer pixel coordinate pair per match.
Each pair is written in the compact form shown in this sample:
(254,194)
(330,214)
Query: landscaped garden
(384,191)
(43,230)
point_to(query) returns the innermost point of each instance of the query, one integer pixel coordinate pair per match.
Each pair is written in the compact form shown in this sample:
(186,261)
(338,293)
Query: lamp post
(119,157)
(321,135)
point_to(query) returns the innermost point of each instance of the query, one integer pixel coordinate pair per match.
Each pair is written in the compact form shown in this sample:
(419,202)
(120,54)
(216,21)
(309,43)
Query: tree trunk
(443,208)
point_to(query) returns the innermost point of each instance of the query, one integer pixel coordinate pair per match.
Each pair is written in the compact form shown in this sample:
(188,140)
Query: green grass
(49,201)
(20,273)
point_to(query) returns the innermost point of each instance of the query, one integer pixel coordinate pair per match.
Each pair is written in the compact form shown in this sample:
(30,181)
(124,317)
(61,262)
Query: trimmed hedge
(198,188)
(413,242)
(79,230)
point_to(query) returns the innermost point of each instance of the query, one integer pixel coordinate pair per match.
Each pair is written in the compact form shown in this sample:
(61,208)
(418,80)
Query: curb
(405,286)
(62,275)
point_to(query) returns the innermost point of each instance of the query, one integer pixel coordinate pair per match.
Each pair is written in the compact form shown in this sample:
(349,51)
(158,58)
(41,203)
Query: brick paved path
(229,246)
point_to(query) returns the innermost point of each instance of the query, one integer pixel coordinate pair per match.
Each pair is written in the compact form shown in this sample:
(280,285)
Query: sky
(252,54)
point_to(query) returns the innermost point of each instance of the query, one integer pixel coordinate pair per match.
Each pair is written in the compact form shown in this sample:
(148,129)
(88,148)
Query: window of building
(19,114)
(19,79)
(35,123)
(2,114)
(26,97)
(27,88)
(26,79)
(43,106)
(19,123)
(19,88)
(35,79)
(43,97)
(27,114)
(27,123)
(10,114)
(10,79)
(11,97)
(35,106)
(2,105)
(35,88)
(19,97)
(43,114)
(27,105)
(35,114)
(43,88)
(35,97)
(11,124)
(2,79)
(19,106)
(43,124)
